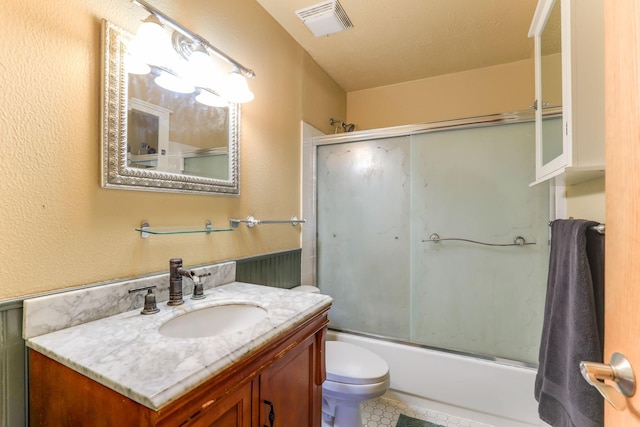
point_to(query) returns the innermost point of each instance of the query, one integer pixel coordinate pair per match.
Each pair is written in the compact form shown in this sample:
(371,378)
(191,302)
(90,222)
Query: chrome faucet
(176,272)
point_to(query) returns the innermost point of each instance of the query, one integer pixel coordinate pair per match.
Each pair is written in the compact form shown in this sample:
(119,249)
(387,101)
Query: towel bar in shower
(517,241)
(600,228)
(251,221)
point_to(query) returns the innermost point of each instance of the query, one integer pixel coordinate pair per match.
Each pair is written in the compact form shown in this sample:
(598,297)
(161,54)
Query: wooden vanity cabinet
(233,410)
(283,377)
(288,384)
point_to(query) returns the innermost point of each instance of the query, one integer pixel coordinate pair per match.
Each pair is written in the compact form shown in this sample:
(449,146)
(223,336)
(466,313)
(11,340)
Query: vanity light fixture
(174,83)
(136,66)
(189,57)
(212,100)
(151,44)
(236,88)
(201,69)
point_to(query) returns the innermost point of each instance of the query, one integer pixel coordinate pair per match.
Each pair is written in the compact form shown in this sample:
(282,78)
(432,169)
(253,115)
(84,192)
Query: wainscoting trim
(13,366)
(278,269)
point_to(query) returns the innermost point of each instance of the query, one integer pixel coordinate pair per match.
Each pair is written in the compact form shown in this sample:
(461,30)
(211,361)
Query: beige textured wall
(587,200)
(497,89)
(320,96)
(59,227)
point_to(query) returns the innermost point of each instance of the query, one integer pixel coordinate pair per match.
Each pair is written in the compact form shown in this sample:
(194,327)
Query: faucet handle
(198,286)
(150,306)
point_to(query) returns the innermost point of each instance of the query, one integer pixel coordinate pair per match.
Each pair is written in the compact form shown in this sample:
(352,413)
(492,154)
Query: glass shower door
(379,200)
(474,184)
(363,234)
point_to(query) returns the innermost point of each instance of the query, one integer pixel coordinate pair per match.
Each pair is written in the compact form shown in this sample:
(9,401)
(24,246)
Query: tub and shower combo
(435,250)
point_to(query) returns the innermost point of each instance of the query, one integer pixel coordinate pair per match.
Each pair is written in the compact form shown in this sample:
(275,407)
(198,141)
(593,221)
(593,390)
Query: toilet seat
(352,365)
(357,392)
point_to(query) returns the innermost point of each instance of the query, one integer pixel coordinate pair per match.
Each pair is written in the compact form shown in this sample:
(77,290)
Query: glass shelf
(145,230)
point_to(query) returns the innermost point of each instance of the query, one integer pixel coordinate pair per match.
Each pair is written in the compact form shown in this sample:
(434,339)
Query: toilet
(354,375)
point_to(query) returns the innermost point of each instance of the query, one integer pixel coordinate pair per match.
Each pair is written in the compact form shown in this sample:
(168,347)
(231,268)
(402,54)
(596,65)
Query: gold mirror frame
(115,171)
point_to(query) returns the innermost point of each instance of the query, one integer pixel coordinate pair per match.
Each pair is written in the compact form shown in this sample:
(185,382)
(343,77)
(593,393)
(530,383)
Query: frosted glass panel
(378,200)
(473,184)
(363,234)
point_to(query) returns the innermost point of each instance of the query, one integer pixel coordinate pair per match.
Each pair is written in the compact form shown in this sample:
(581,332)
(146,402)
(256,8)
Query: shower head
(346,127)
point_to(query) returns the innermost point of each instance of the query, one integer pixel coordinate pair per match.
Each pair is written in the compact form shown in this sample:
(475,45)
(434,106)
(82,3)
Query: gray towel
(573,328)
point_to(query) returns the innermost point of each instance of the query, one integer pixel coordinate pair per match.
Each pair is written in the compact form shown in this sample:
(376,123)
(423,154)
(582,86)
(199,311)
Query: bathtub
(461,386)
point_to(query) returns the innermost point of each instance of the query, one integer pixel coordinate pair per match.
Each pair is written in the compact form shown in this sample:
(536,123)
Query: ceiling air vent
(325,18)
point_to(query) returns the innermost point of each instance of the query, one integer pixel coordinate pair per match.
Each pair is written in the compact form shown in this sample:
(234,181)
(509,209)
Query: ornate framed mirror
(154,139)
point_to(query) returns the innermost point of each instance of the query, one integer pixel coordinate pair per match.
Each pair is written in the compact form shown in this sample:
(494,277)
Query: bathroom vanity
(120,370)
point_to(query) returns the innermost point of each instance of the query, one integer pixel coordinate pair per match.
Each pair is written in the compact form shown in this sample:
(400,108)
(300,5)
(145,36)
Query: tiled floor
(383,412)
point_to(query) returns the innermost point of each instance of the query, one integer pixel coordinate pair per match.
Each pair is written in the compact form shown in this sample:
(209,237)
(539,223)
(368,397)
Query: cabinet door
(232,410)
(551,150)
(552,144)
(289,395)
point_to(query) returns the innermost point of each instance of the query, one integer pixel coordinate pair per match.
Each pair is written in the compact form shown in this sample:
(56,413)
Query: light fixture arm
(193,36)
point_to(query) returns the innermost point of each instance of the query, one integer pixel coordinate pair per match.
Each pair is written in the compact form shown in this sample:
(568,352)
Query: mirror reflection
(551,61)
(172,132)
(551,80)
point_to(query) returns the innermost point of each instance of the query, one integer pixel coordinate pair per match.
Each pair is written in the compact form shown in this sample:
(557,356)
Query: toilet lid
(348,363)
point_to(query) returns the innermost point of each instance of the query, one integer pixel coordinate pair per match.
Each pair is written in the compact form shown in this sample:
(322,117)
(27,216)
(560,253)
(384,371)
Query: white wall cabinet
(148,128)
(569,60)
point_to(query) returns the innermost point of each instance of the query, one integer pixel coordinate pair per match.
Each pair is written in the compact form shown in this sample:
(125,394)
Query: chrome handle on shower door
(619,371)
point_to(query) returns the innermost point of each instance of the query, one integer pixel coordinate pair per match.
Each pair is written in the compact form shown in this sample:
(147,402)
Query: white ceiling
(394,41)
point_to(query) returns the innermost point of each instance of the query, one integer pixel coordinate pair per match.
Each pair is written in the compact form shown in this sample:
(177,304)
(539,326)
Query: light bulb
(151,43)
(212,100)
(174,83)
(136,66)
(200,69)
(237,89)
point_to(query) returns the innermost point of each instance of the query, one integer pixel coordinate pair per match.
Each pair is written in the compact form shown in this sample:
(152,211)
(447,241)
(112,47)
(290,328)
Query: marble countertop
(126,353)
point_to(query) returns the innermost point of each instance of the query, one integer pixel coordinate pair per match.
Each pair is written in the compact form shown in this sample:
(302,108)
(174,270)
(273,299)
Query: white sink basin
(215,320)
